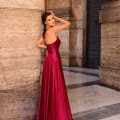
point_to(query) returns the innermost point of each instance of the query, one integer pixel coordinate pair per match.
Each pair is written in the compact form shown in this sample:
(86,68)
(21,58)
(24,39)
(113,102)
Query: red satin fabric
(53,102)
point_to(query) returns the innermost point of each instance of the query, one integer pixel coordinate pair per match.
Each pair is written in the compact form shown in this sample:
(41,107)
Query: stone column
(77,32)
(110,44)
(19,58)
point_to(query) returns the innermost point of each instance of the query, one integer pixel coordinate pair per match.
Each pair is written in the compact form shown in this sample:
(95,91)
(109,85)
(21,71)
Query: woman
(53,103)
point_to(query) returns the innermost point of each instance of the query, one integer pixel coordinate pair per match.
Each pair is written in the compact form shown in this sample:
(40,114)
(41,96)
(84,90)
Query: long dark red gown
(53,103)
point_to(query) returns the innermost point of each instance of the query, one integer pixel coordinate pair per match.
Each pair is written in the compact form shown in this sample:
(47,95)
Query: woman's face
(50,21)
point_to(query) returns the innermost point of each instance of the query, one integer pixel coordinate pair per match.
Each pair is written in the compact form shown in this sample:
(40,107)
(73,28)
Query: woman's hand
(52,13)
(40,44)
(65,24)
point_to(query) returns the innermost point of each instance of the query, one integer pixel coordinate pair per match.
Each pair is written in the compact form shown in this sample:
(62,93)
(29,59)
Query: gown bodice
(53,48)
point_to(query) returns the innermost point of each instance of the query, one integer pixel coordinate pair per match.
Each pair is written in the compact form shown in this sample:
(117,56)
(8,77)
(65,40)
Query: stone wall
(19,58)
(77,32)
(110,44)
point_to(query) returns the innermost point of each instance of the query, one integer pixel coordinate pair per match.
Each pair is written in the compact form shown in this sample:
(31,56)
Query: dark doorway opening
(93,33)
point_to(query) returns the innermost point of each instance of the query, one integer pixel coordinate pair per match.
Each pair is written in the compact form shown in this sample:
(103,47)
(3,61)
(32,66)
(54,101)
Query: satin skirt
(53,101)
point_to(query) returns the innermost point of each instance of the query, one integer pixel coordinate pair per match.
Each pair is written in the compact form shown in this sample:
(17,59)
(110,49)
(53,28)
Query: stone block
(110,45)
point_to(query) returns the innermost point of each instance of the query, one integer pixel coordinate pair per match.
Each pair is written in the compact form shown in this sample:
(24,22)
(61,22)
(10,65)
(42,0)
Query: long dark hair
(44,17)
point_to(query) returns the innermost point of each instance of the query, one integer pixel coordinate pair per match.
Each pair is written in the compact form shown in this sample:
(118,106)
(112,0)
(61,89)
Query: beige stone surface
(105,15)
(110,45)
(110,77)
(57,4)
(17,46)
(64,47)
(111,4)
(29,4)
(20,58)
(76,47)
(19,103)
(77,8)
(77,30)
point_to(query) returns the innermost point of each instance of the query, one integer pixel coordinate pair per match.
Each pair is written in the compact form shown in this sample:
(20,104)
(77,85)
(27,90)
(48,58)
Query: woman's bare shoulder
(50,36)
(50,32)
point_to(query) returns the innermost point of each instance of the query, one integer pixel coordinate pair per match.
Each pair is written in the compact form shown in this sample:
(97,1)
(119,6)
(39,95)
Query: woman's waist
(52,52)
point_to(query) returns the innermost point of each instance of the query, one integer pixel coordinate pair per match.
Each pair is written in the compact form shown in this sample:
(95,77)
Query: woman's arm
(40,44)
(65,24)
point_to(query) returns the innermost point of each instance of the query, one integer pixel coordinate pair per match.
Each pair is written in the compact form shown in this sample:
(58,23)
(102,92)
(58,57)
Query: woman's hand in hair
(65,23)
(52,13)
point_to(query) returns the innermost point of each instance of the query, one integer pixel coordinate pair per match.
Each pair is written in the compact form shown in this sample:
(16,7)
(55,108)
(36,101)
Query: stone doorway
(93,33)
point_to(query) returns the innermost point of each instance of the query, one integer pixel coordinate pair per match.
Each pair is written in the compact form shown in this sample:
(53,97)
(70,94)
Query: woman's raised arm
(65,23)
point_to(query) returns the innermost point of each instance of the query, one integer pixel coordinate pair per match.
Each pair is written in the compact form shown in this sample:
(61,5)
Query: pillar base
(110,77)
